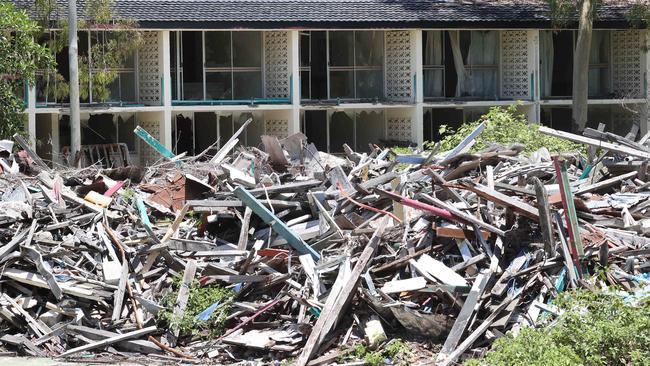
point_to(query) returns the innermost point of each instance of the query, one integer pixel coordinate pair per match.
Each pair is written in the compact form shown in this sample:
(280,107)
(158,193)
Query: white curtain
(546,60)
(483,51)
(462,84)
(433,78)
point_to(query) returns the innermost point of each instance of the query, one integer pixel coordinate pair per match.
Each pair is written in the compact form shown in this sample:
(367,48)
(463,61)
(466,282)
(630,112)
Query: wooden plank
(462,215)
(230,144)
(465,315)
(155,144)
(569,211)
(140,346)
(181,300)
(467,342)
(594,142)
(34,279)
(278,225)
(409,284)
(440,271)
(501,199)
(604,183)
(109,341)
(118,298)
(242,242)
(544,210)
(466,141)
(330,314)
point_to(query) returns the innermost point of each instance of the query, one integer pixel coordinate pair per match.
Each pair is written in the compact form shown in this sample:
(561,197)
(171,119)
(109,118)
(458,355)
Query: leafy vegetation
(595,329)
(114,41)
(20,58)
(395,352)
(201,297)
(505,126)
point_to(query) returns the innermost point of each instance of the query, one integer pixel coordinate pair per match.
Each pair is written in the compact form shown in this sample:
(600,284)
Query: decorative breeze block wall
(149,70)
(515,80)
(398,125)
(276,64)
(276,123)
(147,154)
(627,63)
(399,69)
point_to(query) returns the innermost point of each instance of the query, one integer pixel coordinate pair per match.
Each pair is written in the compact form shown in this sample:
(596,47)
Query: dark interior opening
(192,65)
(562,64)
(436,117)
(341,132)
(558,118)
(206,124)
(99,130)
(318,65)
(315,128)
(184,135)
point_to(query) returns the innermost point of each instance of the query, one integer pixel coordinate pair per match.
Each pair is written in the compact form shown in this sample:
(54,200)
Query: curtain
(546,60)
(483,50)
(598,56)
(461,71)
(433,78)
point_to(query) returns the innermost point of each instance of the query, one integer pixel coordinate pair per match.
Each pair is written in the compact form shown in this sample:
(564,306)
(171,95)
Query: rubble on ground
(283,251)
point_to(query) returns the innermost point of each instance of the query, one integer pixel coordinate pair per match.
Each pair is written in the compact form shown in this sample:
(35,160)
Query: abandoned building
(342,71)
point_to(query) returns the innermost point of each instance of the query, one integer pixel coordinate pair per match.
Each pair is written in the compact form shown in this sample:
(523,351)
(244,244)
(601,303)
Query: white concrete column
(31,115)
(644,124)
(294,65)
(56,139)
(534,69)
(417,117)
(166,92)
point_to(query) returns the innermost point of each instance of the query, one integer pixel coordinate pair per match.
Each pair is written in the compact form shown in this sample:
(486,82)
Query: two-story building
(343,71)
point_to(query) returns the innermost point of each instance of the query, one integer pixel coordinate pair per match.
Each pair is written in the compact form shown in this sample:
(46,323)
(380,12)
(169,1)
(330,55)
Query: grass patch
(596,329)
(201,297)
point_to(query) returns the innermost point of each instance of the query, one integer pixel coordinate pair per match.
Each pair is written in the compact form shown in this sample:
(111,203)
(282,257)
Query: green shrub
(595,329)
(201,297)
(505,126)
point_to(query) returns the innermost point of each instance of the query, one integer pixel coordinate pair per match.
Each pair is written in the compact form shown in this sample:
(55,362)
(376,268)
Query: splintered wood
(242,255)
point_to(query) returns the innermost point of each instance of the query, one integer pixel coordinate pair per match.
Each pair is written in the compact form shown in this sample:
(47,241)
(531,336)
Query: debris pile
(287,252)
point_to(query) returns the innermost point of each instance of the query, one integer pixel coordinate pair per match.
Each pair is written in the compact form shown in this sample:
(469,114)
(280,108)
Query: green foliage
(564,12)
(395,350)
(20,58)
(201,297)
(596,329)
(114,41)
(638,15)
(505,126)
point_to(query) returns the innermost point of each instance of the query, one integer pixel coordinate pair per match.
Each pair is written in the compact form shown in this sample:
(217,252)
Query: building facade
(340,71)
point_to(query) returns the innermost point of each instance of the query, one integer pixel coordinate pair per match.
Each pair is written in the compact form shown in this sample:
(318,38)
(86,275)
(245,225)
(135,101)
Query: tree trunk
(75,124)
(581,65)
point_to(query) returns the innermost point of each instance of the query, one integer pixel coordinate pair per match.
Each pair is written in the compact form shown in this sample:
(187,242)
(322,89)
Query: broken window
(433,64)
(434,118)
(357,129)
(191,50)
(233,65)
(599,64)
(315,128)
(356,64)
(556,63)
(475,63)
(313,65)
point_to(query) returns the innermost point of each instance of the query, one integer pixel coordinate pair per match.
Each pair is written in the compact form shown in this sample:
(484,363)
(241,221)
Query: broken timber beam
(278,225)
(594,142)
(330,315)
